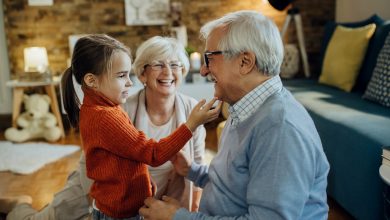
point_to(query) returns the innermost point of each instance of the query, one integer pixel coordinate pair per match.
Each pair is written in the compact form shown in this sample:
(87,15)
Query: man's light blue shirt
(270,163)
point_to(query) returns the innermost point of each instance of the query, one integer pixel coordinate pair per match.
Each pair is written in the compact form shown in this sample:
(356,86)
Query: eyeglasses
(207,54)
(159,66)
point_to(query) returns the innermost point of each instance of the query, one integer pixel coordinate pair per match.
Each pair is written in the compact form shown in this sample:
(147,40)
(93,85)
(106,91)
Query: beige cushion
(220,127)
(344,56)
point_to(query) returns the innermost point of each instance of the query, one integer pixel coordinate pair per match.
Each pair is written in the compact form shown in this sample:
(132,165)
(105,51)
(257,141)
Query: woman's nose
(167,69)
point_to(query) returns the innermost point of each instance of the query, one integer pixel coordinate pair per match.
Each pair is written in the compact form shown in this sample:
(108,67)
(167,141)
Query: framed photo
(146,12)
(40,2)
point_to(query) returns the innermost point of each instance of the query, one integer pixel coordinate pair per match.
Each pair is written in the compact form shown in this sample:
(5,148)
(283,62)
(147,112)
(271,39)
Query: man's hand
(182,163)
(164,209)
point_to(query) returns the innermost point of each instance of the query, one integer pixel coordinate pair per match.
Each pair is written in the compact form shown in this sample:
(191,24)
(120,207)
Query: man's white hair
(249,31)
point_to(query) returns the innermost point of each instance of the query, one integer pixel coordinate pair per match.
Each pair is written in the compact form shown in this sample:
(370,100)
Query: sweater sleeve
(120,137)
(198,174)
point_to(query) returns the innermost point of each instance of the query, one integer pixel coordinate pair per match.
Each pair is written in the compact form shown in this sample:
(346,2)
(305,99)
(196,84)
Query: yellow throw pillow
(344,56)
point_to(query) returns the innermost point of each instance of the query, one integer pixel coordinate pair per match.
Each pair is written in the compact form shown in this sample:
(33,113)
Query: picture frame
(40,2)
(146,12)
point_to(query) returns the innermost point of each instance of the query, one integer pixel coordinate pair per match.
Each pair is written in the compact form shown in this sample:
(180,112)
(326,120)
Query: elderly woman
(161,64)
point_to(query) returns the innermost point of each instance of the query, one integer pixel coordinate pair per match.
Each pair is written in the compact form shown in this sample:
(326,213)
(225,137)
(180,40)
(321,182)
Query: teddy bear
(35,122)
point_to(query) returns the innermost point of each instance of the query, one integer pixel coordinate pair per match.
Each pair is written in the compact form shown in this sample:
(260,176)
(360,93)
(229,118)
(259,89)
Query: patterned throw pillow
(378,89)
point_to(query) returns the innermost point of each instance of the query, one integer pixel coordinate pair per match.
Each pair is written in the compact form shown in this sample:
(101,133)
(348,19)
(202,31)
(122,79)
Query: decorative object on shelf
(146,12)
(35,122)
(293,14)
(36,64)
(290,65)
(195,61)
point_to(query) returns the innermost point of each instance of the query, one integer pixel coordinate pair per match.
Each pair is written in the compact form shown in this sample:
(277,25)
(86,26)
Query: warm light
(195,61)
(35,59)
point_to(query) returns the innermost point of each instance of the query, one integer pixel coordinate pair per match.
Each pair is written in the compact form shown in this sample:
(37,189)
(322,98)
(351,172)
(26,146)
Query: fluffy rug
(27,158)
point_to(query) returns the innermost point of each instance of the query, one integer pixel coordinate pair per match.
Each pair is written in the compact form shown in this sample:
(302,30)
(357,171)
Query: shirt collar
(247,105)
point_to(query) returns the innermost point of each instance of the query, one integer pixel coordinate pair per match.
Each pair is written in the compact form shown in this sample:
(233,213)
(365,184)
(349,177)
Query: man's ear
(91,80)
(248,62)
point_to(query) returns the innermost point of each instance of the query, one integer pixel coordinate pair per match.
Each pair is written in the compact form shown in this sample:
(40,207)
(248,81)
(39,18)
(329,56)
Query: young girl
(116,153)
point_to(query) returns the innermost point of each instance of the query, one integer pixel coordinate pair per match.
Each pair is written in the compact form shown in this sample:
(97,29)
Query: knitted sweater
(117,153)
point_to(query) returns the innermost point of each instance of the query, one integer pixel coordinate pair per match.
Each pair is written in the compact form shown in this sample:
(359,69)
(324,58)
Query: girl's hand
(203,113)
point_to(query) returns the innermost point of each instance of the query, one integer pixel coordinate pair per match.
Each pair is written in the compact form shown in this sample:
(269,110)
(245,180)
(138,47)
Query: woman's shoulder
(187,99)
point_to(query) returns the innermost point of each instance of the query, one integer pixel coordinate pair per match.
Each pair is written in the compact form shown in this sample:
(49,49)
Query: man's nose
(204,70)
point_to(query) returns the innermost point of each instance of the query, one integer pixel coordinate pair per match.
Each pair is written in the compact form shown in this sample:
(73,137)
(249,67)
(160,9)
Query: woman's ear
(91,80)
(142,78)
(248,62)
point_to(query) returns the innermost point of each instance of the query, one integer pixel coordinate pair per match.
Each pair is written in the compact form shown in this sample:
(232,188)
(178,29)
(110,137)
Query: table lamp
(36,63)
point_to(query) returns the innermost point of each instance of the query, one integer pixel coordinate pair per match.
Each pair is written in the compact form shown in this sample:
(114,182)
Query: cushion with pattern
(378,89)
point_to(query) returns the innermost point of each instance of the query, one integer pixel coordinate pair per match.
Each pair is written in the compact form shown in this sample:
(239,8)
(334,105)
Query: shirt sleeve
(198,174)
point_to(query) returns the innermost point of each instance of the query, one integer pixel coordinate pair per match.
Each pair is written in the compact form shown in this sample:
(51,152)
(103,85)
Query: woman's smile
(166,82)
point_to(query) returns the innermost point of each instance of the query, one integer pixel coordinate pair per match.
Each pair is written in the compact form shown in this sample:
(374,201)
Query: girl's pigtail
(69,98)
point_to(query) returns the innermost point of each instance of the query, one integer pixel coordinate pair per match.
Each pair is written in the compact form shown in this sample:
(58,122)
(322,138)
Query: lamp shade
(35,59)
(280,4)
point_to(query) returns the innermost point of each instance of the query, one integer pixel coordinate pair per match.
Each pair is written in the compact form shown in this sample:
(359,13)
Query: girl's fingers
(218,108)
(200,104)
(210,104)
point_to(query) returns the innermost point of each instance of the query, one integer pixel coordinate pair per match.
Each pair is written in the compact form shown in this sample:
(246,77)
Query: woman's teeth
(165,81)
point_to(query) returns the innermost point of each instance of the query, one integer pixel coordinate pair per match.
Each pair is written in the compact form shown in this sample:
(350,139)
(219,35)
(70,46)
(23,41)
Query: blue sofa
(353,131)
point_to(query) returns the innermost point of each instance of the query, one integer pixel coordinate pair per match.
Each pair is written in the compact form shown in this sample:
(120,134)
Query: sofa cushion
(378,89)
(344,56)
(376,43)
(372,50)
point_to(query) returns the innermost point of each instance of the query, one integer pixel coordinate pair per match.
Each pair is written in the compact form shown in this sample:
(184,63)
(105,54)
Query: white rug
(27,158)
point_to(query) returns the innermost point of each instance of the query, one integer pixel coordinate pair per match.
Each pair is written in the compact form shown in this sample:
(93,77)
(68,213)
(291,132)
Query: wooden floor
(42,184)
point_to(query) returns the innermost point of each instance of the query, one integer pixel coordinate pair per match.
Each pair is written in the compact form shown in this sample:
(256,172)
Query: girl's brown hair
(92,54)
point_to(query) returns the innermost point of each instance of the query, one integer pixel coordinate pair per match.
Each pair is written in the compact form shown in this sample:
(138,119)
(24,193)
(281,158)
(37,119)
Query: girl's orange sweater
(117,153)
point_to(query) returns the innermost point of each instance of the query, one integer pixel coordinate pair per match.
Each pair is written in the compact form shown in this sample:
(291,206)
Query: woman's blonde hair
(159,48)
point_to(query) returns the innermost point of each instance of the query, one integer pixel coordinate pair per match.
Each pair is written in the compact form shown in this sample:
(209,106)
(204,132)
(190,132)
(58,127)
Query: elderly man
(271,164)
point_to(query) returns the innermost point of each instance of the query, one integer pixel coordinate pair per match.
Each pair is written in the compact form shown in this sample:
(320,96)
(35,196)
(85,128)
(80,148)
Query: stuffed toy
(35,122)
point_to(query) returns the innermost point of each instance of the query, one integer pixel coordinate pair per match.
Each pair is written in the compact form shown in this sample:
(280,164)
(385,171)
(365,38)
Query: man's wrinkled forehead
(215,36)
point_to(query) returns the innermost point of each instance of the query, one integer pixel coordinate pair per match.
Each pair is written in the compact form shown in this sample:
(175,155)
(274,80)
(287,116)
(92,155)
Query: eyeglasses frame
(165,65)
(208,53)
